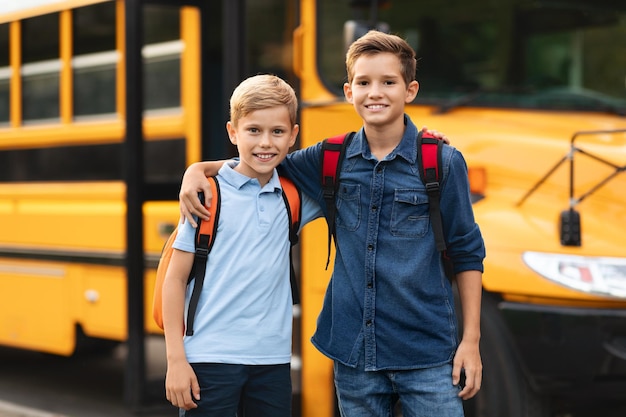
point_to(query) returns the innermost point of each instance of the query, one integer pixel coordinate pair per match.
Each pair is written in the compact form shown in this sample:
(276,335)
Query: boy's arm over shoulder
(303,168)
(311,210)
(194,181)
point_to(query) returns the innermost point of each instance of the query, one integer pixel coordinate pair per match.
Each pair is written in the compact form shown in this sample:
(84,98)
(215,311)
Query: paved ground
(40,385)
(12,410)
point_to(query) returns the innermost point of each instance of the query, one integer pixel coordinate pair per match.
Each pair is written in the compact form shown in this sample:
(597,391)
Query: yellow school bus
(104,103)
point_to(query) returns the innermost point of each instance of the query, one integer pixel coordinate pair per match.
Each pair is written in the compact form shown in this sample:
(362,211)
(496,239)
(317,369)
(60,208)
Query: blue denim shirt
(388,291)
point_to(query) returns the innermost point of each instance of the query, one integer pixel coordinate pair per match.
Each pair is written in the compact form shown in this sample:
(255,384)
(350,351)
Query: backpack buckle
(328,194)
(432,186)
(202,252)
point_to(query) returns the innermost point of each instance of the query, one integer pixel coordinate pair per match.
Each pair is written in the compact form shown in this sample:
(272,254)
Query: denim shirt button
(370,285)
(368,323)
(370,247)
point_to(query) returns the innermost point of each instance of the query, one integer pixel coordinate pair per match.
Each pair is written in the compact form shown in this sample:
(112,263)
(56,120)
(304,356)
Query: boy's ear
(347,92)
(411,91)
(232,132)
(294,135)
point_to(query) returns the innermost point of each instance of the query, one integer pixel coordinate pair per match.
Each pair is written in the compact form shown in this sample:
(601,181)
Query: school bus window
(269,50)
(331,45)
(64,163)
(41,67)
(94,59)
(165,160)
(162,52)
(490,54)
(601,72)
(5,73)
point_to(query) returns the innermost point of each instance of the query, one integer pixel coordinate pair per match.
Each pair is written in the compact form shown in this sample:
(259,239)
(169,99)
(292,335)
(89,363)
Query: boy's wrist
(176,358)
(471,336)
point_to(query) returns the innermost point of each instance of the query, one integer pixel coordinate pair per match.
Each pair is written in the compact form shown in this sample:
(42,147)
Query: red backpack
(205,236)
(429,152)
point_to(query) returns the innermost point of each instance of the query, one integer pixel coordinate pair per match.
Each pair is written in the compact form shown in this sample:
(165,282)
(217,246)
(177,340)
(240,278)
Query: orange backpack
(205,236)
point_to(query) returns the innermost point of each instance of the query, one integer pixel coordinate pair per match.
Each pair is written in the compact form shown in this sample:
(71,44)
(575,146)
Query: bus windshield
(564,55)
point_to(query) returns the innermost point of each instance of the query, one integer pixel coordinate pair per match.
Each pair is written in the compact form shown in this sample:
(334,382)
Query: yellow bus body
(78,223)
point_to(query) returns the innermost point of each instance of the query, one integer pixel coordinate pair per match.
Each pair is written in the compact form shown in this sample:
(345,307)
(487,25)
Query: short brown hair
(376,42)
(262,92)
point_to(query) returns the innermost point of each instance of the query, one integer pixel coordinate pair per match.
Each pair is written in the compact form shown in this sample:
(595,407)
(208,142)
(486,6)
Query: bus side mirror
(569,228)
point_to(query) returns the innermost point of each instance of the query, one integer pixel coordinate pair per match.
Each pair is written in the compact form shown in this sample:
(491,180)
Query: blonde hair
(262,92)
(376,42)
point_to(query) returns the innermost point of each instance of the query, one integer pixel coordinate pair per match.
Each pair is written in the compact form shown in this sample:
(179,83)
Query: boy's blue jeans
(421,392)
(227,390)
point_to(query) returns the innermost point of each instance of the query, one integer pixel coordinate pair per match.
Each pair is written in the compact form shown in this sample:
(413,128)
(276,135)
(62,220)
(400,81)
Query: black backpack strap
(205,236)
(333,152)
(429,151)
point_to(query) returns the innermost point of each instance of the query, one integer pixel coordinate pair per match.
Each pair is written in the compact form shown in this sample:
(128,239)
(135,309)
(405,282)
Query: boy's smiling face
(378,91)
(263,138)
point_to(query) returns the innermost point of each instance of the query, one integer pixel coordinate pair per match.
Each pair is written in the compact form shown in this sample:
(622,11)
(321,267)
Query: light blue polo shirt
(244,314)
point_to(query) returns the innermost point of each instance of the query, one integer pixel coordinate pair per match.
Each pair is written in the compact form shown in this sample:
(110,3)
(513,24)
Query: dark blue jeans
(242,390)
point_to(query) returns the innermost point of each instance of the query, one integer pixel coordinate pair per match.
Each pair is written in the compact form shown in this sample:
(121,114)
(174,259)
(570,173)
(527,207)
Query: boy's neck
(383,141)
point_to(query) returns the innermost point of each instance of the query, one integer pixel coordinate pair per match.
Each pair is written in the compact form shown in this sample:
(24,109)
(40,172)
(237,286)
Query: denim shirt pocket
(348,206)
(409,215)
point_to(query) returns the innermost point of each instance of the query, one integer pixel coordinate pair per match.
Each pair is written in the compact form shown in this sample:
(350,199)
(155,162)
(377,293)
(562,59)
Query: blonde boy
(239,354)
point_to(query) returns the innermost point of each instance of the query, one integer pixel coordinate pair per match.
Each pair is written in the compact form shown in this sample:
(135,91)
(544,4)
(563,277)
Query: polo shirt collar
(237,180)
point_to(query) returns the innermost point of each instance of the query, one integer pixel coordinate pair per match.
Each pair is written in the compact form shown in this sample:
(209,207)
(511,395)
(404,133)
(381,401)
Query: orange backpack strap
(293,203)
(204,238)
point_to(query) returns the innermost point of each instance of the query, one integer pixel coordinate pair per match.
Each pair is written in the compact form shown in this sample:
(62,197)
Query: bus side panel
(317,372)
(102,302)
(62,263)
(35,306)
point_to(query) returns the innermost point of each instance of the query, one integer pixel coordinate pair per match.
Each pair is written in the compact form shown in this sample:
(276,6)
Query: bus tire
(505,390)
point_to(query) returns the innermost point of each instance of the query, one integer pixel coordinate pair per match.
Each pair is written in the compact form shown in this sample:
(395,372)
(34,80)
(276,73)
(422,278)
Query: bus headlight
(592,275)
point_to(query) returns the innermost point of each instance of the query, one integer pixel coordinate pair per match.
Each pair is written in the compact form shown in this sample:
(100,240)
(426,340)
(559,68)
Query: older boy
(388,318)
(240,352)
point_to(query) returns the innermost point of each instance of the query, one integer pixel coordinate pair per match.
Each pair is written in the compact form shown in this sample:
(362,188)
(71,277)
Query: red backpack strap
(293,203)
(429,150)
(333,152)
(205,236)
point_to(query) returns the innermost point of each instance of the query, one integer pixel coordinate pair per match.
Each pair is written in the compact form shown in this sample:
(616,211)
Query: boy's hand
(467,358)
(194,181)
(180,384)
(437,134)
